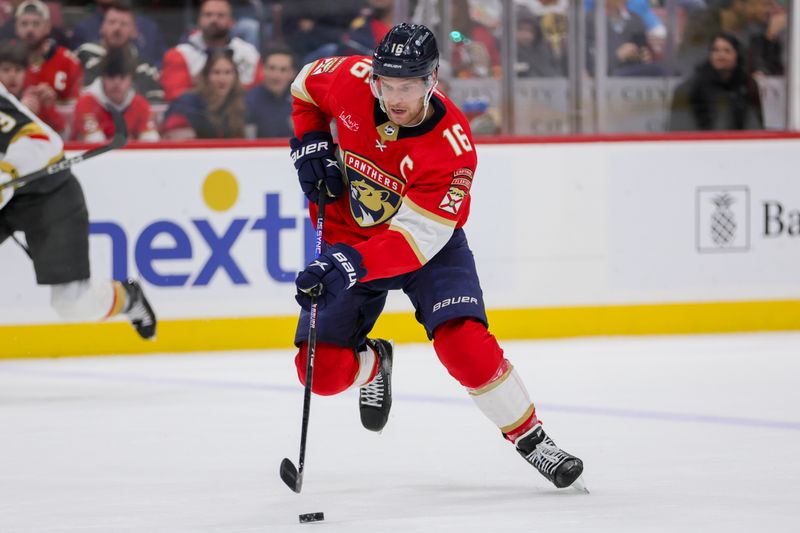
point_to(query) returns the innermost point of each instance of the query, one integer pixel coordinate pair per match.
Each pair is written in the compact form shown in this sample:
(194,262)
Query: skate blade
(580,485)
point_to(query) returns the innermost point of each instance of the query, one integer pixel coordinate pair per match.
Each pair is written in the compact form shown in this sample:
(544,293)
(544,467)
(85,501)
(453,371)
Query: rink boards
(570,238)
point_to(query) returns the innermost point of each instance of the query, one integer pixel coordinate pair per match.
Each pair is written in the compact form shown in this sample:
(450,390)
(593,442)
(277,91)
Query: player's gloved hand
(315,160)
(331,274)
(6,193)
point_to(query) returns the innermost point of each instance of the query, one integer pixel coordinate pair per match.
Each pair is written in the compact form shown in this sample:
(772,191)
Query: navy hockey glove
(332,273)
(315,160)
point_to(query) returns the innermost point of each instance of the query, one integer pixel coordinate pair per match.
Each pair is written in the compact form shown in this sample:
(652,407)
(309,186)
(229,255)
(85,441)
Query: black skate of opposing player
(375,398)
(562,469)
(138,310)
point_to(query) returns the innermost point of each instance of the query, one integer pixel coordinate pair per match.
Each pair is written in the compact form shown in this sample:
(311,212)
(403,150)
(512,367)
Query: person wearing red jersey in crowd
(113,90)
(394,222)
(118,30)
(40,100)
(185,61)
(50,65)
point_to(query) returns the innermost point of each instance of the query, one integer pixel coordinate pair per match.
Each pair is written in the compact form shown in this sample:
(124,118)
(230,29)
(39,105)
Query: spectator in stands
(475,50)
(721,95)
(118,31)
(627,51)
(50,66)
(269,105)
(113,91)
(215,109)
(149,41)
(39,99)
(541,45)
(759,25)
(655,30)
(700,27)
(248,16)
(7,8)
(8,28)
(307,38)
(766,34)
(185,61)
(374,21)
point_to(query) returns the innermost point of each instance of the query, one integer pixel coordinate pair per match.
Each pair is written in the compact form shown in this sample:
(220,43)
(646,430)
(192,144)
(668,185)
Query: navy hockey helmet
(407,51)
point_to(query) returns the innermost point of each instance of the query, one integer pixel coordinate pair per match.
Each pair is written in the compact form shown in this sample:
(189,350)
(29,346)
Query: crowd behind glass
(223,69)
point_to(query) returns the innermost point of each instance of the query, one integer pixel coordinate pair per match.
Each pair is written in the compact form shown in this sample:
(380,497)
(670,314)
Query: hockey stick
(290,474)
(119,139)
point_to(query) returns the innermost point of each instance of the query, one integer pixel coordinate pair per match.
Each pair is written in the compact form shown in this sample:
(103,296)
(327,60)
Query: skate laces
(546,456)
(371,394)
(138,312)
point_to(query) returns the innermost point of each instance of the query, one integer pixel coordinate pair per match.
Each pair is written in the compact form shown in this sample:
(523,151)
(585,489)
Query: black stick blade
(289,475)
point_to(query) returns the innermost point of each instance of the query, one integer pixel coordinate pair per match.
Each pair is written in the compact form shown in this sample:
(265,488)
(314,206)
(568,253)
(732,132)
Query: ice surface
(695,433)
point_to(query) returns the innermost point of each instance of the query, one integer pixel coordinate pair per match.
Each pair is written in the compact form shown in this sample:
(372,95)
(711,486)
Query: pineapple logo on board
(723,219)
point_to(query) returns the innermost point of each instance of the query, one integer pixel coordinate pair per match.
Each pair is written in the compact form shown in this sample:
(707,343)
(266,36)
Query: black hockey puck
(311,517)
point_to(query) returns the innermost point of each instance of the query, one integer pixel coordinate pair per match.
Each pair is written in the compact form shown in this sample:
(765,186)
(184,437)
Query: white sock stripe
(507,403)
(366,362)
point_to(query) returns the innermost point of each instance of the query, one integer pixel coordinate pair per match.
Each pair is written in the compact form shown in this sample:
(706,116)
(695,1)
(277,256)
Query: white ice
(689,433)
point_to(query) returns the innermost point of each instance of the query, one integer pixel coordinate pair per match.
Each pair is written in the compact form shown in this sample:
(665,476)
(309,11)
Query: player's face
(118,28)
(278,73)
(216,20)
(404,98)
(117,87)
(723,55)
(32,29)
(13,77)
(222,77)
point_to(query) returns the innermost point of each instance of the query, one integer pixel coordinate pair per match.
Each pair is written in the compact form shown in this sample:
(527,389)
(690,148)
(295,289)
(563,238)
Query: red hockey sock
(335,368)
(468,351)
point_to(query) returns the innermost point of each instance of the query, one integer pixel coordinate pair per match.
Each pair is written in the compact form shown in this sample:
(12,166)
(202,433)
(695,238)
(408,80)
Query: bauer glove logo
(347,267)
(308,149)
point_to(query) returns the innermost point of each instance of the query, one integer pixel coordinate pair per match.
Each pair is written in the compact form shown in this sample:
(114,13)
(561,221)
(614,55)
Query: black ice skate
(375,398)
(139,311)
(558,466)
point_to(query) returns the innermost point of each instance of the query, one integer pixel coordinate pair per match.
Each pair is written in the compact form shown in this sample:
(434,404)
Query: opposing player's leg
(56,227)
(449,302)
(345,357)
(90,300)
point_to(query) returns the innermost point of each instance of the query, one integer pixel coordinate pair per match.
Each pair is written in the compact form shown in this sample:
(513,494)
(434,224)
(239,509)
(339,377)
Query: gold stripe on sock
(511,427)
(119,299)
(494,383)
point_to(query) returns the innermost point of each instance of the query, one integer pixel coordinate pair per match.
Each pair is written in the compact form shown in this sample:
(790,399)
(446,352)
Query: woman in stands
(720,95)
(214,109)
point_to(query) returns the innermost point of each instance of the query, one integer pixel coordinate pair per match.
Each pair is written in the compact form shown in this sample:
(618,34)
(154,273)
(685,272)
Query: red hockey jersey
(60,69)
(92,122)
(408,187)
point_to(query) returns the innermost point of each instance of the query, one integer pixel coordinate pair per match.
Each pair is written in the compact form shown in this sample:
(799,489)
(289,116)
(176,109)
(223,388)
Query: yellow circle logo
(220,190)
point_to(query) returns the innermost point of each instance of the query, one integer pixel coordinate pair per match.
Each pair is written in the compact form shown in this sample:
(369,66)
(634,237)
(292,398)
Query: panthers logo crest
(375,196)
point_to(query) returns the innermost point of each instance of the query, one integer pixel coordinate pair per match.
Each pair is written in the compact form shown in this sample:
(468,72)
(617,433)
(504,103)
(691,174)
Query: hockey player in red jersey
(400,194)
